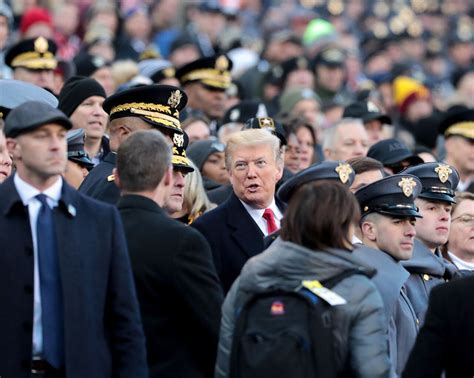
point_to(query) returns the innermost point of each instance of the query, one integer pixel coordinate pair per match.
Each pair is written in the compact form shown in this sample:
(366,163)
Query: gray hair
(331,134)
(142,160)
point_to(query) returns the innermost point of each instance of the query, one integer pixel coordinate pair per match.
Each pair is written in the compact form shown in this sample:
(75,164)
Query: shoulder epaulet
(110,178)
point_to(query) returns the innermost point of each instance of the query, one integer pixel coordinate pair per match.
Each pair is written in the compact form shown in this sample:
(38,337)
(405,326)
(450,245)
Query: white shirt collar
(460,264)
(258,213)
(27,192)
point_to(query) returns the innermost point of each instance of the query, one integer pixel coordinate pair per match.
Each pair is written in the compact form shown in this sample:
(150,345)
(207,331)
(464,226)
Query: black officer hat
(213,72)
(32,114)
(75,148)
(439,181)
(331,57)
(244,110)
(33,54)
(293,64)
(87,64)
(392,152)
(338,171)
(158,105)
(275,127)
(458,120)
(179,159)
(13,93)
(367,111)
(393,195)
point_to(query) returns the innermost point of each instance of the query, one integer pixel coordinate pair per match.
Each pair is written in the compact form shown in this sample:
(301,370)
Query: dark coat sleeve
(127,338)
(198,285)
(427,356)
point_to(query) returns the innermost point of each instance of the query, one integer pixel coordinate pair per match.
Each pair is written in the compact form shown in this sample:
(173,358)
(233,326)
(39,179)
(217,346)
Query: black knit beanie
(76,90)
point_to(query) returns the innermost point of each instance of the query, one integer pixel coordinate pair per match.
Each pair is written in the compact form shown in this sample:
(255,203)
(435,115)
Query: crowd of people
(181,181)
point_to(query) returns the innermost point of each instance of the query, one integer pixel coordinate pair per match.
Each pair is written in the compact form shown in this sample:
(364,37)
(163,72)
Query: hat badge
(443,171)
(175,98)
(169,72)
(266,122)
(344,170)
(371,107)
(407,184)
(178,140)
(222,63)
(41,45)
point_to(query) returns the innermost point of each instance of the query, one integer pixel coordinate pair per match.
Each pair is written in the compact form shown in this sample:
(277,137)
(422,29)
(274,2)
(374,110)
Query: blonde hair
(252,138)
(195,201)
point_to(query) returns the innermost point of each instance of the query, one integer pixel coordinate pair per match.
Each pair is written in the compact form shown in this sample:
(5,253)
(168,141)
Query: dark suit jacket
(234,238)
(178,290)
(103,331)
(445,340)
(99,185)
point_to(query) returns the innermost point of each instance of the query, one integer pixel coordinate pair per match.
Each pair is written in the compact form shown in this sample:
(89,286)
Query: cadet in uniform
(427,267)
(141,108)
(388,232)
(205,81)
(33,60)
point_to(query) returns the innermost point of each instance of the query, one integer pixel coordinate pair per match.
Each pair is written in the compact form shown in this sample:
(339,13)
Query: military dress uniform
(428,269)
(392,196)
(159,106)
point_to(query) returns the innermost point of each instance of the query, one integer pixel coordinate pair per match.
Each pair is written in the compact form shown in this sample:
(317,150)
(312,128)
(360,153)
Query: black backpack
(284,334)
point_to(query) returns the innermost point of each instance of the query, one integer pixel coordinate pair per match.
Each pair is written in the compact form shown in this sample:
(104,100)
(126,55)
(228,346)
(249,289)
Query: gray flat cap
(31,115)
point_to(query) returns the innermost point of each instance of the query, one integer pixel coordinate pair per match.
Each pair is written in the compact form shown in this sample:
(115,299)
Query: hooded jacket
(360,335)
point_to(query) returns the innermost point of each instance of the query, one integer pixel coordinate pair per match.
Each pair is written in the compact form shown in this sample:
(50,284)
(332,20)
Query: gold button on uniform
(426,277)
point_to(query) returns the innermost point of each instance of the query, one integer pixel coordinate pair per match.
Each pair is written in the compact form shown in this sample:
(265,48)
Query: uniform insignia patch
(443,172)
(407,184)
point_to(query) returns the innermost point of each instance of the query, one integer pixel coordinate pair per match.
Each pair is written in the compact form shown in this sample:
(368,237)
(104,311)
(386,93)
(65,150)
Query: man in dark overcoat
(69,306)
(177,286)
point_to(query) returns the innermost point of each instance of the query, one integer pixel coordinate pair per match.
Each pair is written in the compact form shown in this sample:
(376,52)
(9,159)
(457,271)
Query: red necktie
(270,218)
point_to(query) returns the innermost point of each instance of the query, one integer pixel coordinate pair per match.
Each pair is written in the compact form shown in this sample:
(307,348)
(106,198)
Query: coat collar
(12,201)
(136,201)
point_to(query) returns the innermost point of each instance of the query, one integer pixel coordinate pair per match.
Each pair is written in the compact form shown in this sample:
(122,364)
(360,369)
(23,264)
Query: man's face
(5,159)
(254,173)
(41,78)
(460,153)
(3,31)
(210,101)
(395,236)
(351,140)
(330,78)
(174,202)
(461,237)
(197,130)
(433,228)
(364,179)
(90,116)
(40,154)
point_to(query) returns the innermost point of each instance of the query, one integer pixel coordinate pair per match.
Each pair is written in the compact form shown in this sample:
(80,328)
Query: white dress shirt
(257,215)
(28,195)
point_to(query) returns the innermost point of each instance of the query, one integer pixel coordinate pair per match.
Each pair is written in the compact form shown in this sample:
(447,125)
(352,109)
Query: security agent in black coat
(328,170)
(445,340)
(158,106)
(177,286)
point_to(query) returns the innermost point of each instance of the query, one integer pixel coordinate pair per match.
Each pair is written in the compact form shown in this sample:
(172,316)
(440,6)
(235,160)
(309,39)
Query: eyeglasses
(466,220)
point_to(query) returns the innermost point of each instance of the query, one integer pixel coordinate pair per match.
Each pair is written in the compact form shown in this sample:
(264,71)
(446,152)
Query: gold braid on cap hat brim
(34,60)
(465,129)
(209,76)
(153,112)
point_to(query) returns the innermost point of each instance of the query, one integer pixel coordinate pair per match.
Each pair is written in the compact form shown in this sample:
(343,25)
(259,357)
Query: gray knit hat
(200,150)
